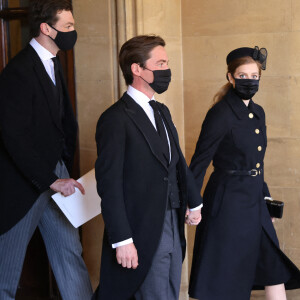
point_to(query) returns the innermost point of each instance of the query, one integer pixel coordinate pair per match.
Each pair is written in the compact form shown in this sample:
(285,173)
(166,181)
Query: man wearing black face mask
(144,183)
(38,134)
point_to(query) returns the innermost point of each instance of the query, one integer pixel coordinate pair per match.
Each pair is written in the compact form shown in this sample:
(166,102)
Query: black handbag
(275,208)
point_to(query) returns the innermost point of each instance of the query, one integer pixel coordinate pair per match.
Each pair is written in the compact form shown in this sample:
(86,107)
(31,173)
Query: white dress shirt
(45,57)
(143,101)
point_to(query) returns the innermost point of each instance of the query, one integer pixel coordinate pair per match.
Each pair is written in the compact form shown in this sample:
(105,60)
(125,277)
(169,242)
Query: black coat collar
(238,106)
(139,117)
(45,82)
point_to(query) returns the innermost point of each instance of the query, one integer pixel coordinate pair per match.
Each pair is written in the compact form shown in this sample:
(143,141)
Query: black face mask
(246,88)
(65,40)
(161,80)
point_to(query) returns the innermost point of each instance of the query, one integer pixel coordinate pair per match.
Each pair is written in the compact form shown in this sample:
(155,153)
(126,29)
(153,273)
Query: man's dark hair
(45,11)
(137,50)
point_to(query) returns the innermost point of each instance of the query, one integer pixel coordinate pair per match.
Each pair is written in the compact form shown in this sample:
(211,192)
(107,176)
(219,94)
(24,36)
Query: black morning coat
(236,247)
(132,180)
(32,136)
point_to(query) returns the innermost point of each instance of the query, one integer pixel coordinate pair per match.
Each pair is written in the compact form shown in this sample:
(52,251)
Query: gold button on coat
(257,165)
(251,116)
(257,131)
(259,148)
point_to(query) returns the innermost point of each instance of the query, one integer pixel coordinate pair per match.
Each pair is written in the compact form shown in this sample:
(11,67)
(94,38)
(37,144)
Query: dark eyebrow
(161,60)
(245,73)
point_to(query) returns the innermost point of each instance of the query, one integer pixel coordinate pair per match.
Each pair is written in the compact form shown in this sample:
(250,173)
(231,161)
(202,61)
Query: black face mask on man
(246,88)
(64,40)
(161,80)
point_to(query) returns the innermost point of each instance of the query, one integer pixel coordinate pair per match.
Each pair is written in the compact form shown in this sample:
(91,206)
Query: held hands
(127,256)
(66,186)
(193,217)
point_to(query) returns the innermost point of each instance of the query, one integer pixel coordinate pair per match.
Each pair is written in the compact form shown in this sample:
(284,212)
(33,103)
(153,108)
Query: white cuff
(268,198)
(126,242)
(196,208)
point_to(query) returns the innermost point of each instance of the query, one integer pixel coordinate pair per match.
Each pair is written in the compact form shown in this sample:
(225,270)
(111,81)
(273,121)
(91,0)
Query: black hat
(256,53)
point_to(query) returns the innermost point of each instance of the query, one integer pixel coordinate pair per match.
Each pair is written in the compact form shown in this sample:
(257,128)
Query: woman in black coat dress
(236,248)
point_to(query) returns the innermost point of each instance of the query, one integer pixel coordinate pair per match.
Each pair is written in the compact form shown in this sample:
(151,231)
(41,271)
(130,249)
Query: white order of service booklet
(79,208)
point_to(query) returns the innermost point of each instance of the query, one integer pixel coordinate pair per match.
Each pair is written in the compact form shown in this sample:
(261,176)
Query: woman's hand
(193,217)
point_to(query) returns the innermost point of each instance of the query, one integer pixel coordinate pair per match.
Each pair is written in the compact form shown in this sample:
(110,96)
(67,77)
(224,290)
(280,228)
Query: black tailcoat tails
(132,180)
(33,134)
(236,246)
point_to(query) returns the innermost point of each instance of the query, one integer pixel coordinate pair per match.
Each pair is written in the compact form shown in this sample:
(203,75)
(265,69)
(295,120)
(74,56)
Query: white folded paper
(80,208)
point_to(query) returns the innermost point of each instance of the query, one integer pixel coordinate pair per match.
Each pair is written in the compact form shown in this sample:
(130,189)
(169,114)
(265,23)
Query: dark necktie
(161,130)
(58,85)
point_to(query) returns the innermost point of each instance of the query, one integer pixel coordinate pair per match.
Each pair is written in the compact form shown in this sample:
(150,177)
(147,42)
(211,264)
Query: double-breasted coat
(132,180)
(236,247)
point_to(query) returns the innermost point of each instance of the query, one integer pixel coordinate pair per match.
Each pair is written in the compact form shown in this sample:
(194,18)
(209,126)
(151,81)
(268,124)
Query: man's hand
(193,217)
(66,186)
(127,256)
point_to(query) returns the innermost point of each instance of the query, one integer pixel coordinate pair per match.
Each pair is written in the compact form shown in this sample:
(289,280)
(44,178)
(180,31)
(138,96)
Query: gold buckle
(255,172)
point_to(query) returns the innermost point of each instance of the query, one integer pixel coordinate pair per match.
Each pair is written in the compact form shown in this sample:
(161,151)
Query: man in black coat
(38,134)
(144,183)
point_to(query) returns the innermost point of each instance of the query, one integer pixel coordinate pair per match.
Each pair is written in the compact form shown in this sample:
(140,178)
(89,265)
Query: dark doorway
(37,281)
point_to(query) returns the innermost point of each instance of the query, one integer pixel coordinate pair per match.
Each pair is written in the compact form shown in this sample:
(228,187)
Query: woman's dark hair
(137,50)
(45,11)
(231,69)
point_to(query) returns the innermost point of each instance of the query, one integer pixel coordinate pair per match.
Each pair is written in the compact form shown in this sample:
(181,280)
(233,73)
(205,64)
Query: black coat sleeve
(266,192)
(194,198)
(214,128)
(16,129)
(111,144)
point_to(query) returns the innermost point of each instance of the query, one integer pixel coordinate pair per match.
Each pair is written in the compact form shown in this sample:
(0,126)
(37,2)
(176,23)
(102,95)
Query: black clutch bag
(275,208)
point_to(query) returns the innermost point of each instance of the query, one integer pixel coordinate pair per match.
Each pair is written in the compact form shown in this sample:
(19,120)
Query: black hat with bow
(256,53)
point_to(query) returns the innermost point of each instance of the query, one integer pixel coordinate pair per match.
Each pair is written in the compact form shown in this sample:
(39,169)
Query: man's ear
(136,69)
(44,28)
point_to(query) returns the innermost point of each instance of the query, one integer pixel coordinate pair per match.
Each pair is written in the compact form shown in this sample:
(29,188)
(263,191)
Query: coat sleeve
(266,192)
(194,198)
(214,128)
(111,143)
(16,130)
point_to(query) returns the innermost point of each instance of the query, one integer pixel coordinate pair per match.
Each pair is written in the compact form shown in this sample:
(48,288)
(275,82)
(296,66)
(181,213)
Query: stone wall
(210,30)
(199,35)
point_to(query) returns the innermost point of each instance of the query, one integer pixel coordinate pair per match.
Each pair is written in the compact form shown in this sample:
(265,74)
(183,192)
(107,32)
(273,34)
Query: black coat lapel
(45,82)
(169,123)
(139,117)
(239,107)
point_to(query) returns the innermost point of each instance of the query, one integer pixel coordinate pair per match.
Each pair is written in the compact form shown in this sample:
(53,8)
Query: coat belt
(253,172)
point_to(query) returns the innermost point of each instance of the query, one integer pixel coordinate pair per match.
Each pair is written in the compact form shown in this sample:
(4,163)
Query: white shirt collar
(42,52)
(139,97)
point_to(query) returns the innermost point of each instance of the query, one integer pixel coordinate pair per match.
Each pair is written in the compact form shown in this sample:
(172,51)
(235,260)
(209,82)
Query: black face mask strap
(148,70)
(52,27)
(145,80)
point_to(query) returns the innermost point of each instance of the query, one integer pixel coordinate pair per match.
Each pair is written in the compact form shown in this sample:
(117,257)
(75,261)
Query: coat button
(257,165)
(166,179)
(257,131)
(259,148)
(251,115)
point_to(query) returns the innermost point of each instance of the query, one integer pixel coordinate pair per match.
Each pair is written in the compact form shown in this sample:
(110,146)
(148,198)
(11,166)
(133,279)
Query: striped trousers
(62,244)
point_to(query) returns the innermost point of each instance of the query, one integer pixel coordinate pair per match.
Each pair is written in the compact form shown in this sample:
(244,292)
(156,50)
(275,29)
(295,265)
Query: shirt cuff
(126,242)
(268,198)
(196,208)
